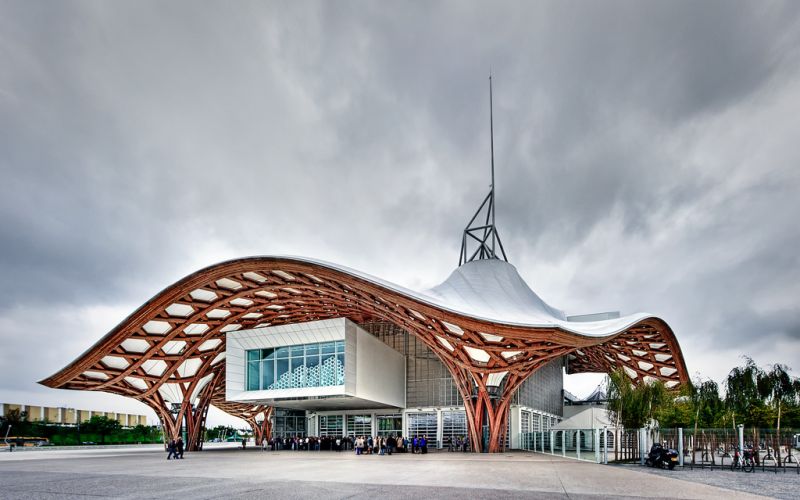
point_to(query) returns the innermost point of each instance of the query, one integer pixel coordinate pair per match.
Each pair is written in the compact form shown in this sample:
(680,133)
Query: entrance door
(390,425)
(359,425)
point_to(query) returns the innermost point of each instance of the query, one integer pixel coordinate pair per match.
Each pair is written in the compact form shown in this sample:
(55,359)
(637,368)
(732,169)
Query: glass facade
(331,425)
(454,424)
(423,424)
(289,423)
(289,367)
(525,425)
(543,390)
(390,425)
(359,425)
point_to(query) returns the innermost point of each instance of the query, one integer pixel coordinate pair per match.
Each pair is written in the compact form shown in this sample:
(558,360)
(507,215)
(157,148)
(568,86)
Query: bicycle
(745,461)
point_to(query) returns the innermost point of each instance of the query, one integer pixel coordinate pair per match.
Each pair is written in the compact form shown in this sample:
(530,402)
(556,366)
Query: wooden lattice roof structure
(484,323)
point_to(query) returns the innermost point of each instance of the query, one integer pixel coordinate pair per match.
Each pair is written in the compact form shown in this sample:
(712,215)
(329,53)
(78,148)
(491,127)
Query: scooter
(660,456)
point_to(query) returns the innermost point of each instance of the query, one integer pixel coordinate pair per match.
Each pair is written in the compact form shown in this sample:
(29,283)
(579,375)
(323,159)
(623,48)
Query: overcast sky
(647,159)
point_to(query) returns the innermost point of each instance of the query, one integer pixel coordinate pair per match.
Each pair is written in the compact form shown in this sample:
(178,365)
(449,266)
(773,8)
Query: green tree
(102,425)
(741,391)
(706,403)
(18,420)
(631,405)
(676,411)
(220,432)
(778,389)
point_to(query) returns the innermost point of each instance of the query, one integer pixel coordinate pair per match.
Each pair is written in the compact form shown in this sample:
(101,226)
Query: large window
(390,425)
(526,421)
(308,365)
(289,423)
(454,425)
(423,424)
(330,425)
(359,425)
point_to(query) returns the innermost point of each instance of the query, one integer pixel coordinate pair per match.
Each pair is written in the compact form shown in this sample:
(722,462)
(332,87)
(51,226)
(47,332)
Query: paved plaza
(143,472)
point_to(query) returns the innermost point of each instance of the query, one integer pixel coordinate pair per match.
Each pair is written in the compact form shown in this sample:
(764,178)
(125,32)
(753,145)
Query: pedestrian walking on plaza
(172,448)
(423,444)
(179,446)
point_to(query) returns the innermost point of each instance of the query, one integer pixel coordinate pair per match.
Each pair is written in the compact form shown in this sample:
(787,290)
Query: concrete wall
(52,414)
(380,371)
(69,416)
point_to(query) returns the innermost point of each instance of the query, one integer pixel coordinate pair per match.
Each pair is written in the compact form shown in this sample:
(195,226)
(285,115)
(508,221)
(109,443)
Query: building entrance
(389,425)
(359,425)
(424,424)
(331,425)
(454,425)
(289,423)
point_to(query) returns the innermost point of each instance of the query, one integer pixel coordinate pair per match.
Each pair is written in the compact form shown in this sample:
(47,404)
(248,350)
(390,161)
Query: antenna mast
(478,233)
(491,142)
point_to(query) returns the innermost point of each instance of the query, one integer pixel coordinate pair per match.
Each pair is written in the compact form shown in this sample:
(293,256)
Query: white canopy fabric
(592,417)
(493,290)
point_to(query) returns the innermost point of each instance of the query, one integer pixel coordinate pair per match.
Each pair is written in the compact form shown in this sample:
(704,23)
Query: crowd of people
(363,445)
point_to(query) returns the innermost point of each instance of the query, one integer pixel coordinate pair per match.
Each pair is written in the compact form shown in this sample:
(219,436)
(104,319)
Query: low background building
(69,416)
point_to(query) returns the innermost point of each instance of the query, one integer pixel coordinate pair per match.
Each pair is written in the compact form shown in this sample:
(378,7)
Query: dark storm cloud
(645,154)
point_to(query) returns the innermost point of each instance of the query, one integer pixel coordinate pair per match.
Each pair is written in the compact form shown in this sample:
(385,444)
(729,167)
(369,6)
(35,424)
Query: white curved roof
(493,290)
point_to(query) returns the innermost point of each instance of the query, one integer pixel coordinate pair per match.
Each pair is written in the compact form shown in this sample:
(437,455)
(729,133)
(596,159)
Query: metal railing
(707,448)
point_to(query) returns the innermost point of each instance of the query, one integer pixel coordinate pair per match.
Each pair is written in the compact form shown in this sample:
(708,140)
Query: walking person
(179,446)
(171,447)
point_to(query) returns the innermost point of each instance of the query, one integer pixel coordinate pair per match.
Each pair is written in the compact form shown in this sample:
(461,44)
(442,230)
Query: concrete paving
(236,473)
